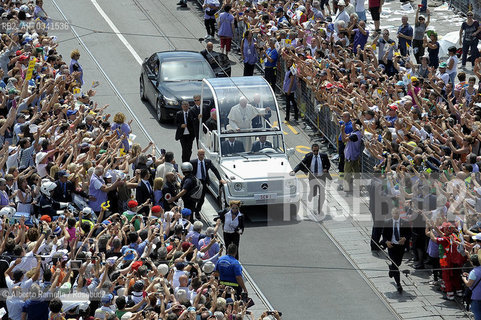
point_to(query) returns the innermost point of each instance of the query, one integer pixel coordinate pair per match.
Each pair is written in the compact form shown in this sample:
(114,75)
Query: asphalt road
(294,263)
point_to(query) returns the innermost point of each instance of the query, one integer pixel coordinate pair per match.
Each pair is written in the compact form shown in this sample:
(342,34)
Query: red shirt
(374,3)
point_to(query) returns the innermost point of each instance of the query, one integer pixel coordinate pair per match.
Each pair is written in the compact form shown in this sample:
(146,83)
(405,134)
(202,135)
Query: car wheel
(142,89)
(221,199)
(158,111)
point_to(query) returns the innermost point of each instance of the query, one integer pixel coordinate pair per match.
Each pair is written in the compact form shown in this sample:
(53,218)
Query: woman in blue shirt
(249,53)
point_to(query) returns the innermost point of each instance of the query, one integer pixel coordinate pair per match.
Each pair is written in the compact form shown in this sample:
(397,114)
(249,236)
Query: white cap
(163,269)
(40,157)
(126,316)
(208,267)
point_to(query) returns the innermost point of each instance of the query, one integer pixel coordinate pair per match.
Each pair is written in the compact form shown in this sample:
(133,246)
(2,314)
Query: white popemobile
(244,139)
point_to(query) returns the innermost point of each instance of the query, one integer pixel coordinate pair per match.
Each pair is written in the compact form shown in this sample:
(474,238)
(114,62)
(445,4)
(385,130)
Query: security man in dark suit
(185,130)
(317,166)
(262,143)
(199,114)
(144,190)
(395,236)
(231,146)
(211,123)
(65,188)
(201,167)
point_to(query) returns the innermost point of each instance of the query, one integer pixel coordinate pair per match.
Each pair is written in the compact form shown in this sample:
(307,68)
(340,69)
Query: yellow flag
(31,66)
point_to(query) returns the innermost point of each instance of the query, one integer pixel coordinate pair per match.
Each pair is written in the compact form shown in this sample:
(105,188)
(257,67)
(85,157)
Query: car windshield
(245,104)
(248,145)
(185,70)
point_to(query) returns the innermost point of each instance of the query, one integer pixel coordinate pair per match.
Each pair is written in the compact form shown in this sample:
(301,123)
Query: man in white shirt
(28,261)
(17,279)
(167,166)
(349,8)
(15,304)
(178,272)
(341,13)
(442,73)
(106,309)
(183,285)
(241,115)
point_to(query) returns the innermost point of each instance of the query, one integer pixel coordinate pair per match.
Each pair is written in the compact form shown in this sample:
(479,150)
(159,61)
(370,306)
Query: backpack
(196,192)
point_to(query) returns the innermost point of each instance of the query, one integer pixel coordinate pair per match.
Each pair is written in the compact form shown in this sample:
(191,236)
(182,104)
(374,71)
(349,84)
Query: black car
(167,78)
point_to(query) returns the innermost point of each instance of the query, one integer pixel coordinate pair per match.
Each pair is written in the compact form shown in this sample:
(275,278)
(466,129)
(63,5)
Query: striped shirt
(25,158)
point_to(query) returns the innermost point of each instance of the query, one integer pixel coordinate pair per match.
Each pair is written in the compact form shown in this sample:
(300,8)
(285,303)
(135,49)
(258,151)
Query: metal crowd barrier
(464,6)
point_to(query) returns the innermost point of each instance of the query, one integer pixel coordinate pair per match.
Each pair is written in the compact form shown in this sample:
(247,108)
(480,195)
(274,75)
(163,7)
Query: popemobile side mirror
(290,152)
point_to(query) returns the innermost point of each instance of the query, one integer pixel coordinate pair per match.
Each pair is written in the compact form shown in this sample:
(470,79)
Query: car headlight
(238,186)
(171,102)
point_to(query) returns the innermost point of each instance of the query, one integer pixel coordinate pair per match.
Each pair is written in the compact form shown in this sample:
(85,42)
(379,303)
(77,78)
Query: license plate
(265,196)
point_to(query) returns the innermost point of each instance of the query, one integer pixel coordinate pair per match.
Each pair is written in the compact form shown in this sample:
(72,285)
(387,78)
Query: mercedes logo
(264,186)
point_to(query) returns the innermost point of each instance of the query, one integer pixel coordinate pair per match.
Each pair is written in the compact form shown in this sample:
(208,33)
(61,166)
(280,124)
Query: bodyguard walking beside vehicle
(200,169)
(317,165)
(185,130)
(395,236)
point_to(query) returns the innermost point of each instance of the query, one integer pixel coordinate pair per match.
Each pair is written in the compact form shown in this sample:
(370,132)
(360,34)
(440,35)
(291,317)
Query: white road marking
(117,32)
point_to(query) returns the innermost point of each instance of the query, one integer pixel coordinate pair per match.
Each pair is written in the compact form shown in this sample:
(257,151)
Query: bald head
(169,176)
(201,154)
(210,46)
(183,281)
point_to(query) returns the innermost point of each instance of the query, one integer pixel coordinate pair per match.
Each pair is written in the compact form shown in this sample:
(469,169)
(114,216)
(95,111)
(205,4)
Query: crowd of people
(92,224)
(95,226)
(395,99)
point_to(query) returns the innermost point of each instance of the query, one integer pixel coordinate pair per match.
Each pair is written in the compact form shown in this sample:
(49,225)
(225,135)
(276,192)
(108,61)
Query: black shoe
(197,216)
(391,274)
(286,119)
(399,288)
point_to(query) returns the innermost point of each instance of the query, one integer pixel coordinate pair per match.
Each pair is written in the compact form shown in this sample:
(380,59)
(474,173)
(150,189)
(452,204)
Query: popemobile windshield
(244,139)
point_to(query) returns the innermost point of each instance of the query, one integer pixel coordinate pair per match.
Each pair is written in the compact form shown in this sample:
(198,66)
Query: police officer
(187,186)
